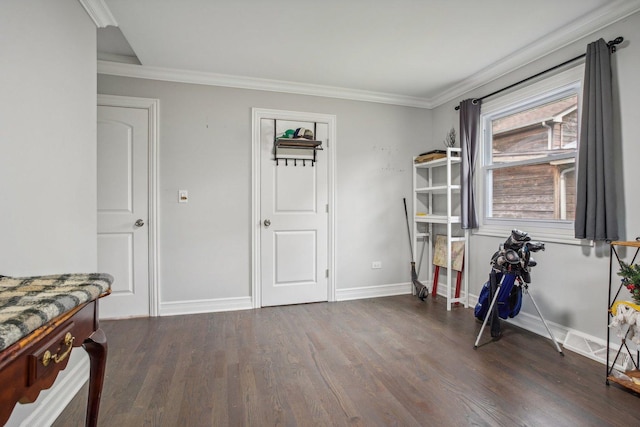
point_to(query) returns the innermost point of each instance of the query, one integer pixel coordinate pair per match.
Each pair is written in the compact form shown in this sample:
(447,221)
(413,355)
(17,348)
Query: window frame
(552,88)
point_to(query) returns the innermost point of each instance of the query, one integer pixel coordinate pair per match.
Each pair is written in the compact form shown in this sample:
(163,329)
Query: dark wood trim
(23,375)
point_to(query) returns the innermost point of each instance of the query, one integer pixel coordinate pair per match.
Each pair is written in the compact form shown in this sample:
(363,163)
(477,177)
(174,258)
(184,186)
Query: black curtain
(469,135)
(596,187)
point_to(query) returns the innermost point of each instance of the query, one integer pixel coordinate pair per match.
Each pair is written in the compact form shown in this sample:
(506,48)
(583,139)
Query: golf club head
(535,246)
(512,257)
(422,294)
(516,239)
(494,258)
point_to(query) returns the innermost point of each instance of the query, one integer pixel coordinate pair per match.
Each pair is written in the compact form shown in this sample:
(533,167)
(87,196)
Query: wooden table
(32,364)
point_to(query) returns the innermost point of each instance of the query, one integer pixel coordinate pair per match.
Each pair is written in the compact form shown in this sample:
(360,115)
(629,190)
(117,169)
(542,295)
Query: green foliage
(631,279)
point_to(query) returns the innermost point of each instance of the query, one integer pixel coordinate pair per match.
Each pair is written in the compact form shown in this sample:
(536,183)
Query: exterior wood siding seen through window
(536,190)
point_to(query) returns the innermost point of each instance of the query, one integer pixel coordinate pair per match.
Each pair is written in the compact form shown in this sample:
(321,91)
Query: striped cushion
(27,303)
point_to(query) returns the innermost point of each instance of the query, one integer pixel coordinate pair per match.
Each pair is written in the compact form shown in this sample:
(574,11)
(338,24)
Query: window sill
(543,234)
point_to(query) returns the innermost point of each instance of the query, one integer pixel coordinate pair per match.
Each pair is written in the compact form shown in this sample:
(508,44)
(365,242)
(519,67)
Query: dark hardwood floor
(391,361)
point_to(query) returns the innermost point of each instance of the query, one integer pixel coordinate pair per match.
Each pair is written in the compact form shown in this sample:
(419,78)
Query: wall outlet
(376,264)
(183,196)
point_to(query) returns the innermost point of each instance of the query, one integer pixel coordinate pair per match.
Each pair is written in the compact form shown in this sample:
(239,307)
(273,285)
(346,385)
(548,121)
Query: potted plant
(630,274)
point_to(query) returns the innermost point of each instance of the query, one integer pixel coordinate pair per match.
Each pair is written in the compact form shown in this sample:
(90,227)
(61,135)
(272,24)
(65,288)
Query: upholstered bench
(41,319)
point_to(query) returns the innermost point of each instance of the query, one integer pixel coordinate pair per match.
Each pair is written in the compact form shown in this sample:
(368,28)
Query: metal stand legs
(525,289)
(489,314)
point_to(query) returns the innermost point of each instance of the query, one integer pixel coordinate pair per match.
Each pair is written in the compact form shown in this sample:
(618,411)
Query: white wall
(47,138)
(205,148)
(47,144)
(570,282)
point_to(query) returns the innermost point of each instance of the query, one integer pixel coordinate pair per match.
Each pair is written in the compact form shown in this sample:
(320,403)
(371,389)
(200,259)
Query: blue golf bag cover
(509,298)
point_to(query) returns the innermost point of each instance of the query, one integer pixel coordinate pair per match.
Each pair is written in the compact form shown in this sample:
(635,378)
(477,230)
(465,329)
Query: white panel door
(123,251)
(294,219)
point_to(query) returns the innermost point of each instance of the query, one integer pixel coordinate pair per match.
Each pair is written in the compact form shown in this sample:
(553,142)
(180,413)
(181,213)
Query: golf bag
(510,267)
(509,279)
(509,296)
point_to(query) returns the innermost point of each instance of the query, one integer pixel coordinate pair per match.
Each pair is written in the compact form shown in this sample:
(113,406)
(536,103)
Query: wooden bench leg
(96,347)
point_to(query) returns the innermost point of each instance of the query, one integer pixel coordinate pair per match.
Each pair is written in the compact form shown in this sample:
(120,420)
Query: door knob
(267,223)
(139,223)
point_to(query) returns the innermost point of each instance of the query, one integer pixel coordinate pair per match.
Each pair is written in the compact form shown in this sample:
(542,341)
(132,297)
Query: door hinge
(326,273)
(327,208)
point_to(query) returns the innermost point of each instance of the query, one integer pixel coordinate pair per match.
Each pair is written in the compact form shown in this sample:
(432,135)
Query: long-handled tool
(421,290)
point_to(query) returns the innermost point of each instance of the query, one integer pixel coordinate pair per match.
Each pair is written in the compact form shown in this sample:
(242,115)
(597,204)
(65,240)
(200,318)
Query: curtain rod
(612,46)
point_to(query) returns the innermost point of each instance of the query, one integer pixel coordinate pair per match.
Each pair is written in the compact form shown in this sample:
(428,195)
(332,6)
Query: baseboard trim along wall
(578,342)
(373,291)
(175,308)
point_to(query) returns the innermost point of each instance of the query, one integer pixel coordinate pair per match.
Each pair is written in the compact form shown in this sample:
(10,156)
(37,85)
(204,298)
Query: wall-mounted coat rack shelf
(296,144)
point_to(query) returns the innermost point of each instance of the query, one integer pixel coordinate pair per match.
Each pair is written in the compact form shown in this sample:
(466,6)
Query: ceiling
(429,50)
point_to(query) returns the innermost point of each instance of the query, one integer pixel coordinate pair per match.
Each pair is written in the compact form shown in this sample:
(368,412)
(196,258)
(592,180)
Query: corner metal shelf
(296,144)
(634,373)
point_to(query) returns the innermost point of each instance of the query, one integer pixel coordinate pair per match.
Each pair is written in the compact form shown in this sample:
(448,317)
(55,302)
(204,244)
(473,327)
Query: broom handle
(406,215)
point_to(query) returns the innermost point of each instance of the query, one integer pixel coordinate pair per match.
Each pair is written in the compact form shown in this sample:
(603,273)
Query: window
(528,171)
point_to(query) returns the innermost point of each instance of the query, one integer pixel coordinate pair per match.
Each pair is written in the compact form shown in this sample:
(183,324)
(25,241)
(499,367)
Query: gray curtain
(469,135)
(596,187)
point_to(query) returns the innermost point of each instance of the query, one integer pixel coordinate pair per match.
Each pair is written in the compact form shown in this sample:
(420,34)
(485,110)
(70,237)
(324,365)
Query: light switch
(183,196)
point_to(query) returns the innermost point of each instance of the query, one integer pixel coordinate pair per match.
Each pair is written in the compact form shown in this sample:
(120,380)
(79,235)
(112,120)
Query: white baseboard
(596,349)
(534,324)
(573,340)
(51,402)
(570,339)
(373,291)
(530,322)
(174,308)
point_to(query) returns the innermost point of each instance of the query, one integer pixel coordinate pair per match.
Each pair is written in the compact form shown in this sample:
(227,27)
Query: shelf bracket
(296,144)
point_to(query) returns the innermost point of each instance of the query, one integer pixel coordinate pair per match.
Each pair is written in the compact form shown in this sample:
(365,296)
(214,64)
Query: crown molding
(99,13)
(213,79)
(112,57)
(580,28)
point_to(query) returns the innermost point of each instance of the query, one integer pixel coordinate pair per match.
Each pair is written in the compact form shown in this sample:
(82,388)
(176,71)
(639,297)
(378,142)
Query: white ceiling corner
(588,25)
(408,54)
(99,13)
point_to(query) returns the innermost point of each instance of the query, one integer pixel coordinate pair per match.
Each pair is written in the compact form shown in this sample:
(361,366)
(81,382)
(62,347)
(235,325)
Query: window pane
(543,191)
(546,129)
(528,158)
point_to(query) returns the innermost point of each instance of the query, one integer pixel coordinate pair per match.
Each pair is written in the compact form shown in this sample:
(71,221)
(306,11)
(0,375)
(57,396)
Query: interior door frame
(256,260)
(152,106)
